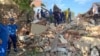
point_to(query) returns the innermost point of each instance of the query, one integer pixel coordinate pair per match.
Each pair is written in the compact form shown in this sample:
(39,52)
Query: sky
(77,6)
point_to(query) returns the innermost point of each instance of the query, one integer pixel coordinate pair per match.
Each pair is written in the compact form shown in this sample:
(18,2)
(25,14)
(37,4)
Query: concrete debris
(72,38)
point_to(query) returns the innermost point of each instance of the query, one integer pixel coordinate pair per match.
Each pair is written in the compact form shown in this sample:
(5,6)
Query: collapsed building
(89,13)
(88,16)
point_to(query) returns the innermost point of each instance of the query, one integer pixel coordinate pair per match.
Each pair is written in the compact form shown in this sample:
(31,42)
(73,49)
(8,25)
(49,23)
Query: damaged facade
(89,13)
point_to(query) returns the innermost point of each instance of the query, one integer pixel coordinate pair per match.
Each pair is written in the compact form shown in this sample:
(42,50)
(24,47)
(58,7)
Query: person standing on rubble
(51,16)
(56,17)
(38,14)
(42,13)
(62,17)
(47,16)
(4,34)
(95,13)
(69,15)
(12,27)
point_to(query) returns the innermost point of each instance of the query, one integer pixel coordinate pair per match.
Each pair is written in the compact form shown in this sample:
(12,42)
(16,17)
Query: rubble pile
(93,30)
(72,34)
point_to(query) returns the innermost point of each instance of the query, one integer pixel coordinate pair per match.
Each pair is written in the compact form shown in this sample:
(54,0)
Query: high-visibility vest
(66,14)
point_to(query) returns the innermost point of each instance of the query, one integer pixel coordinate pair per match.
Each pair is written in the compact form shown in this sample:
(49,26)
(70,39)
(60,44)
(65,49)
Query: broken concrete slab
(37,29)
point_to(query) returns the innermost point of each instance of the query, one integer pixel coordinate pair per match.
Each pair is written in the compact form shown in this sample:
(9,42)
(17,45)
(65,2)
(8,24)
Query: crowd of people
(56,16)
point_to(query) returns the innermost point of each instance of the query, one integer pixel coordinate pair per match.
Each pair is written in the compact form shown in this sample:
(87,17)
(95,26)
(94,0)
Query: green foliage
(23,4)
